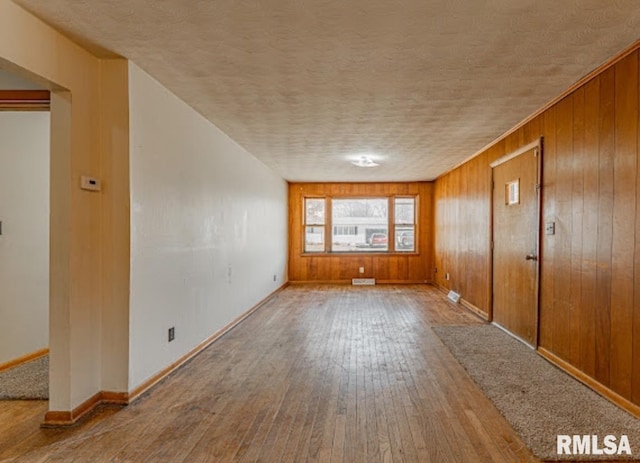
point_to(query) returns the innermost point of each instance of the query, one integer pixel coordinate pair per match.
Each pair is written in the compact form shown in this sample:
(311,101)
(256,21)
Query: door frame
(538,146)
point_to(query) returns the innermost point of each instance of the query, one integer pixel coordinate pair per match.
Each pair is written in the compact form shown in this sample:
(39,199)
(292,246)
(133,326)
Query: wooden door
(516,213)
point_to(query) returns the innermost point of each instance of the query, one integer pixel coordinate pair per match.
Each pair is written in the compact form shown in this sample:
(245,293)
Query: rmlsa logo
(591,445)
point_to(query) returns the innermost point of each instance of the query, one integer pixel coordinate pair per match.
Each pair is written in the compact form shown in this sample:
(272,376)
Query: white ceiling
(306,84)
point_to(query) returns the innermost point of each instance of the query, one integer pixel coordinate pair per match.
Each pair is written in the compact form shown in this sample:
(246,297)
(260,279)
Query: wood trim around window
(25,100)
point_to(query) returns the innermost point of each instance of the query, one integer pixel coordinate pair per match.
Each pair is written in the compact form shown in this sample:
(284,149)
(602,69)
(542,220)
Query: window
(360,224)
(345,230)
(404,221)
(369,217)
(314,224)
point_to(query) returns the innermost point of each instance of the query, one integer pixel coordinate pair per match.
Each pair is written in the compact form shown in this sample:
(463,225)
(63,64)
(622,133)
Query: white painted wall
(208,228)
(24,243)
(10,81)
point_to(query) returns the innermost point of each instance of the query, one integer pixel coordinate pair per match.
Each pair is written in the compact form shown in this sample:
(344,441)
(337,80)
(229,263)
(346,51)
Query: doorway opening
(25,123)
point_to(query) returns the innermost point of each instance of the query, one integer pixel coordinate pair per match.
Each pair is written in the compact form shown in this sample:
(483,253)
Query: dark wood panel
(384,267)
(589,301)
(462,234)
(605,226)
(563,313)
(589,228)
(624,194)
(577,219)
(635,375)
(548,197)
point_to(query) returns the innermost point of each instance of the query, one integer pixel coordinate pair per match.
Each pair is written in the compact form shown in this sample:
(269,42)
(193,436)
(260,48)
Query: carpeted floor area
(538,399)
(29,381)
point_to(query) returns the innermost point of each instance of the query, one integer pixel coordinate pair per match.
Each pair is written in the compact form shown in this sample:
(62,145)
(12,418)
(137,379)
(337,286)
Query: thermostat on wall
(89,183)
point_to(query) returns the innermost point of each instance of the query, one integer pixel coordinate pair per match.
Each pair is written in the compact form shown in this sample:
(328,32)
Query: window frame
(391,225)
(324,225)
(406,224)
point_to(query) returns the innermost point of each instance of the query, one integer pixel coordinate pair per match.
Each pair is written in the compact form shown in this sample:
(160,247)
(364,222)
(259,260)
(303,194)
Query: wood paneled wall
(385,268)
(590,269)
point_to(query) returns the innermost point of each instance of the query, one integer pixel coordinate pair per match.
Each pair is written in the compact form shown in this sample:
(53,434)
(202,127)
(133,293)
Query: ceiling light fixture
(365,161)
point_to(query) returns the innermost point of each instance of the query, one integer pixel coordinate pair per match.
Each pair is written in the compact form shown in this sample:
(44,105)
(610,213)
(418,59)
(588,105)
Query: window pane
(313,239)
(405,210)
(314,211)
(360,225)
(405,238)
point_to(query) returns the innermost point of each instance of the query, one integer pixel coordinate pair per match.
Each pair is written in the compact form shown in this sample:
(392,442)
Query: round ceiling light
(365,161)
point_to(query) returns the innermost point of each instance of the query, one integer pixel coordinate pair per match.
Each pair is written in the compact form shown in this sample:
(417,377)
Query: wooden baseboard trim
(441,288)
(348,282)
(476,310)
(57,419)
(588,381)
(155,379)
(319,282)
(23,359)
(60,419)
(464,303)
(114,398)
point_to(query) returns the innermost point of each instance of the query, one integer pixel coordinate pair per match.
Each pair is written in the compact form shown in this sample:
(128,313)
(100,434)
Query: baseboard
(476,310)
(114,398)
(59,419)
(155,379)
(23,359)
(348,282)
(464,303)
(440,288)
(588,381)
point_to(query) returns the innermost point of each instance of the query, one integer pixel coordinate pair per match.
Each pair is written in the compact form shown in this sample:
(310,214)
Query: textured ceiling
(305,85)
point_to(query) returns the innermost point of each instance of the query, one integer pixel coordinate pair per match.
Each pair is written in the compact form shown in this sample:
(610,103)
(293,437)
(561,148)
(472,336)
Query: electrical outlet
(361,270)
(447,276)
(172,333)
(275,277)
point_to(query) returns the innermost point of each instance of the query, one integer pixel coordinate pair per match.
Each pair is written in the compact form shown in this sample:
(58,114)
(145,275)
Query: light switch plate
(550,228)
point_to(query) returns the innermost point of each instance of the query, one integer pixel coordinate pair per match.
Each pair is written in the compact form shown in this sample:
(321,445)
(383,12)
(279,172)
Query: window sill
(352,254)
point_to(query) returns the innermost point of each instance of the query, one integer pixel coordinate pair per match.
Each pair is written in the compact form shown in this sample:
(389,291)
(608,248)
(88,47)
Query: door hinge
(537,186)
(492,245)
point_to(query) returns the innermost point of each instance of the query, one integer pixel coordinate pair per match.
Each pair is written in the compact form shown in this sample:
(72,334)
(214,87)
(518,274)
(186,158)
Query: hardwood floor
(320,373)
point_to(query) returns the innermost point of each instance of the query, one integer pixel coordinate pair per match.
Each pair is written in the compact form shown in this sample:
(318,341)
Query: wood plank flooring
(318,374)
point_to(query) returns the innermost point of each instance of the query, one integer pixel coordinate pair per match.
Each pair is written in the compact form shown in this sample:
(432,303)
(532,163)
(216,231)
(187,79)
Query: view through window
(365,221)
(360,224)
(404,218)
(314,224)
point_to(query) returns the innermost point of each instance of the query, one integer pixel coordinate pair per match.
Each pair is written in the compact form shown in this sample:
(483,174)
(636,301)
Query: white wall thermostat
(89,183)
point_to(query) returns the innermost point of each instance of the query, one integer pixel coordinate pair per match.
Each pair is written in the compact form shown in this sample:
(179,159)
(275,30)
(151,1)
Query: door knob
(531,257)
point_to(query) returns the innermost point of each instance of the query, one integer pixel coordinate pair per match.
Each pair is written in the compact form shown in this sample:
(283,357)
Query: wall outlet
(274,277)
(172,333)
(361,270)
(447,276)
